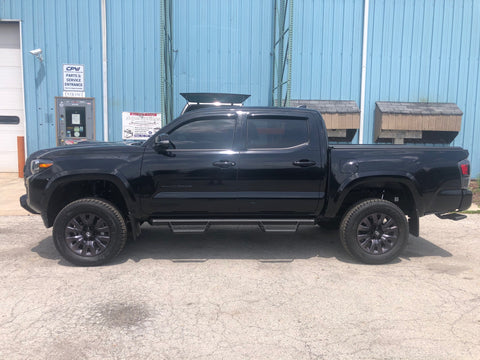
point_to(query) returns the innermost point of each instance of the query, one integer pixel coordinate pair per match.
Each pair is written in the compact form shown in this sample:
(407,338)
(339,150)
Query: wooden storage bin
(400,121)
(342,117)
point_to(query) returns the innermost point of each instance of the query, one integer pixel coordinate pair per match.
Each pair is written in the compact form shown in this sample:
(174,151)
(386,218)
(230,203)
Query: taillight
(465,171)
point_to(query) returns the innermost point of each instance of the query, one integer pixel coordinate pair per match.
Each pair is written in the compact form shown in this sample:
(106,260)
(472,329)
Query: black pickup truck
(243,165)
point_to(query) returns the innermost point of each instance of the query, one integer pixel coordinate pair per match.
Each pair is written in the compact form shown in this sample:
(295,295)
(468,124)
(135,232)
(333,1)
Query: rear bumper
(24,204)
(466,201)
(452,200)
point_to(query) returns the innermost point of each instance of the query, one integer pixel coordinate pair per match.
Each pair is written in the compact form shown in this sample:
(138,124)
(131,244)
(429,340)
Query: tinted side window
(204,134)
(276,133)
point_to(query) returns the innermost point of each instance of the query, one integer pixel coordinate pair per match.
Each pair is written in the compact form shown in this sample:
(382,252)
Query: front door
(197,176)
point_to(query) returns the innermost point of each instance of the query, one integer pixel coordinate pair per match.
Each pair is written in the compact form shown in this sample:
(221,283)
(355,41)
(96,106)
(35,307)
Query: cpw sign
(73,78)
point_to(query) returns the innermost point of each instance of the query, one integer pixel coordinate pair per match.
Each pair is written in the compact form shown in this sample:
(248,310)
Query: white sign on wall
(140,126)
(73,80)
(74,94)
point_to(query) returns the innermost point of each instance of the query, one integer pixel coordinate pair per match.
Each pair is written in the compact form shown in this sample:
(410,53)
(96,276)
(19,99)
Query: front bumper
(24,204)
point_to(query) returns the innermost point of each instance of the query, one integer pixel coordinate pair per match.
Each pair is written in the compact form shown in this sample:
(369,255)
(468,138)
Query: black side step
(202,225)
(452,216)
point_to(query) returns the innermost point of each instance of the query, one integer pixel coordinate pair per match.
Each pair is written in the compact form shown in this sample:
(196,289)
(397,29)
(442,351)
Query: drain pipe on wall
(104,70)
(364,70)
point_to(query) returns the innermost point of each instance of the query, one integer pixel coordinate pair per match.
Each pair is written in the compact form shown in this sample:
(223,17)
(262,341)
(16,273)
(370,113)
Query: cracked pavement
(238,293)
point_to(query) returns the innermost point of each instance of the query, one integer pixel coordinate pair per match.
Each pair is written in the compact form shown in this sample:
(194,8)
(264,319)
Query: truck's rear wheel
(89,232)
(374,231)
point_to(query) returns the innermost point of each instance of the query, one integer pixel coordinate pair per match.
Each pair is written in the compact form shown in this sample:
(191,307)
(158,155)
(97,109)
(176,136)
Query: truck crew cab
(243,165)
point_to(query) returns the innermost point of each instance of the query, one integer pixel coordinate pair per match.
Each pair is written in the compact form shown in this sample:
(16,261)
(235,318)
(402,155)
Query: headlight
(39,164)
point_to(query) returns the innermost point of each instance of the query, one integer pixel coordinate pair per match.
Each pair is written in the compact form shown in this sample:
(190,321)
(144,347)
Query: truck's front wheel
(89,232)
(374,231)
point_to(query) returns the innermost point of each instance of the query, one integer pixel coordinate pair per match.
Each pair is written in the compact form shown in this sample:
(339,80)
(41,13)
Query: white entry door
(12,122)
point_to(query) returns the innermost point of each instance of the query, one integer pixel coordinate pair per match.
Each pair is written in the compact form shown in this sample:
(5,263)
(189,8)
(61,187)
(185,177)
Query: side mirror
(162,142)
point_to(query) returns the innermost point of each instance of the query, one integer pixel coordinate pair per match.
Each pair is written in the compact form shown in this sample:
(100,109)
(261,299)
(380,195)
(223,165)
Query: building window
(9,120)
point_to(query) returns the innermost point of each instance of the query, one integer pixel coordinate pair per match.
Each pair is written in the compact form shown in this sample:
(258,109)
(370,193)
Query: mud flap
(134,227)
(414,225)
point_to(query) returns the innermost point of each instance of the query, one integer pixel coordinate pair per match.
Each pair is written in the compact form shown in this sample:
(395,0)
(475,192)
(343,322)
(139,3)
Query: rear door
(280,171)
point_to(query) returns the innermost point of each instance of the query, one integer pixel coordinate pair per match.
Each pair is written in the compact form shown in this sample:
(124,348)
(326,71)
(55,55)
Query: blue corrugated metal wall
(222,46)
(133,40)
(68,32)
(327,50)
(426,51)
(417,51)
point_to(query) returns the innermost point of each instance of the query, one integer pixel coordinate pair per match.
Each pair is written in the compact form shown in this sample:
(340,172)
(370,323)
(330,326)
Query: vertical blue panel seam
(421,47)
(470,56)
(342,48)
(402,54)
(441,46)
(450,51)
(431,52)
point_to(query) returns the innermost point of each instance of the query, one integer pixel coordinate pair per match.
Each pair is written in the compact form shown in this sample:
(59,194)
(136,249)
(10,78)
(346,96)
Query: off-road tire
(374,231)
(89,232)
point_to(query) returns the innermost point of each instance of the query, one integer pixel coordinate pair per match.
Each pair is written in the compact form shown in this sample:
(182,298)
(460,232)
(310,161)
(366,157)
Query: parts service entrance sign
(140,126)
(73,80)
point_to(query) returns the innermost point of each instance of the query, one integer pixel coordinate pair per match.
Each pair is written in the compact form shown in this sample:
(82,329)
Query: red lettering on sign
(143,114)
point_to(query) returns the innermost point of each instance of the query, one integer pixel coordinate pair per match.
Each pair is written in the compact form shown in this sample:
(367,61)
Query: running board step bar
(452,216)
(202,225)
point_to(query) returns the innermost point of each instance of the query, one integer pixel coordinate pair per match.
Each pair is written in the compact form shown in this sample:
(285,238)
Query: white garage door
(12,122)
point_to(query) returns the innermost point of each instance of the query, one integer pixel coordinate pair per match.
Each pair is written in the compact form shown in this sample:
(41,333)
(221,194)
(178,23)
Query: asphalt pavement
(238,293)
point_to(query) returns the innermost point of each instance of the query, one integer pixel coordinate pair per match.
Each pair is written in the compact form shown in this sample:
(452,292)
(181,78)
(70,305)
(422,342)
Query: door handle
(304,163)
(224,164)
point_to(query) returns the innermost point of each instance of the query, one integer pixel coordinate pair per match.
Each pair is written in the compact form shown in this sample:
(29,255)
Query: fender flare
(356,181)
(117,179)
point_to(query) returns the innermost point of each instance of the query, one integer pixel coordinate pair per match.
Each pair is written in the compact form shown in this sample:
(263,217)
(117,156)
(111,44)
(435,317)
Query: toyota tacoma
(268,166)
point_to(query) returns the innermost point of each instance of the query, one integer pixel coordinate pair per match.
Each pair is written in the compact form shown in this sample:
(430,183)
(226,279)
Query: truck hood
(79,148)
(88,155)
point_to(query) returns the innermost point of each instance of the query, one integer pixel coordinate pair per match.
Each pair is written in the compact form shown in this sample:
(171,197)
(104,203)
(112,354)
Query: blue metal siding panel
(426,51)
(327,50)
(417,51)
(67,32)
(222,46)
(133,40)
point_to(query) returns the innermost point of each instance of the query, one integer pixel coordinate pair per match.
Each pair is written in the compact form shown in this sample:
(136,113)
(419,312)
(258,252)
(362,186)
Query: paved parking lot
(241,294)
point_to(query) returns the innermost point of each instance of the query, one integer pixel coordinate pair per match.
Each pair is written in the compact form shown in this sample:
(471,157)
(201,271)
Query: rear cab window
(270,132)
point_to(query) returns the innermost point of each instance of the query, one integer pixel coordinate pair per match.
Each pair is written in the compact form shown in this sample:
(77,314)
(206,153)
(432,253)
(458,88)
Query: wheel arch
(401,190)
(67,188)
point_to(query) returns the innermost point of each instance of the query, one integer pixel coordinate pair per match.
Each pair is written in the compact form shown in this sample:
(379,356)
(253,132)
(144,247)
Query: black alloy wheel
(89,232)
(374,231)
(377,233)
